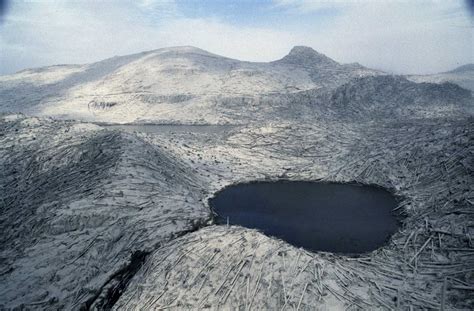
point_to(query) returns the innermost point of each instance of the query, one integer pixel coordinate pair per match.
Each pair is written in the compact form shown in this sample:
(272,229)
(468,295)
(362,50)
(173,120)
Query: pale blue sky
(397,36)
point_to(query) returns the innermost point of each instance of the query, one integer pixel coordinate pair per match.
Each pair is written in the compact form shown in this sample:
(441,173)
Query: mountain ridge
(177,84)
(463,68)
(462,76)
(159,81)
(307,56)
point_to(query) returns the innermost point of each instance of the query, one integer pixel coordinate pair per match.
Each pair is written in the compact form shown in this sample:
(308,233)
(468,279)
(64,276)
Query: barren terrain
(101,217)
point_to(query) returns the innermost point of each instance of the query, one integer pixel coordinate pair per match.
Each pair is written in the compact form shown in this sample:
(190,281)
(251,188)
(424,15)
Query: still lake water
(339,218)
(171,128)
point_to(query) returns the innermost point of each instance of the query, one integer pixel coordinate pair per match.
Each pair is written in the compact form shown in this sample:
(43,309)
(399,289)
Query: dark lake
(332,217)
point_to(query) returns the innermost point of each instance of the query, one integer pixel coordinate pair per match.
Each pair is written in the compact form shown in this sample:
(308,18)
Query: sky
(403,37)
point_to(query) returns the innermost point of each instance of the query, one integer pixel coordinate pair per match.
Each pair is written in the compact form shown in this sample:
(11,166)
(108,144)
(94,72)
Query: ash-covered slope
(462,76)
(360,99)
(78,203)
(190,85)
(394,96)
(178,83)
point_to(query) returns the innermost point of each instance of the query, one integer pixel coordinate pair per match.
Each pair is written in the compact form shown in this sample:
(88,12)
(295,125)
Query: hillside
(171,83)
(190,85)
(462,76)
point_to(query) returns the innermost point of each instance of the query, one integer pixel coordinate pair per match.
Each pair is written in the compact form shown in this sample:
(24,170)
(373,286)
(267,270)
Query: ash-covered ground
(99,217)
(84,207)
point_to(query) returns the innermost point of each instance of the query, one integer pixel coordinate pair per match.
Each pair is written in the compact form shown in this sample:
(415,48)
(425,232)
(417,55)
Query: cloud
(45,33)
(245,43)
(310,6)
(397,36)
(405,37)
(400,36)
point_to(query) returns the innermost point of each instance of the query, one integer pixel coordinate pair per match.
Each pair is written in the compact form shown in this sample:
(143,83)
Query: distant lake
(340,218)
(172,128)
